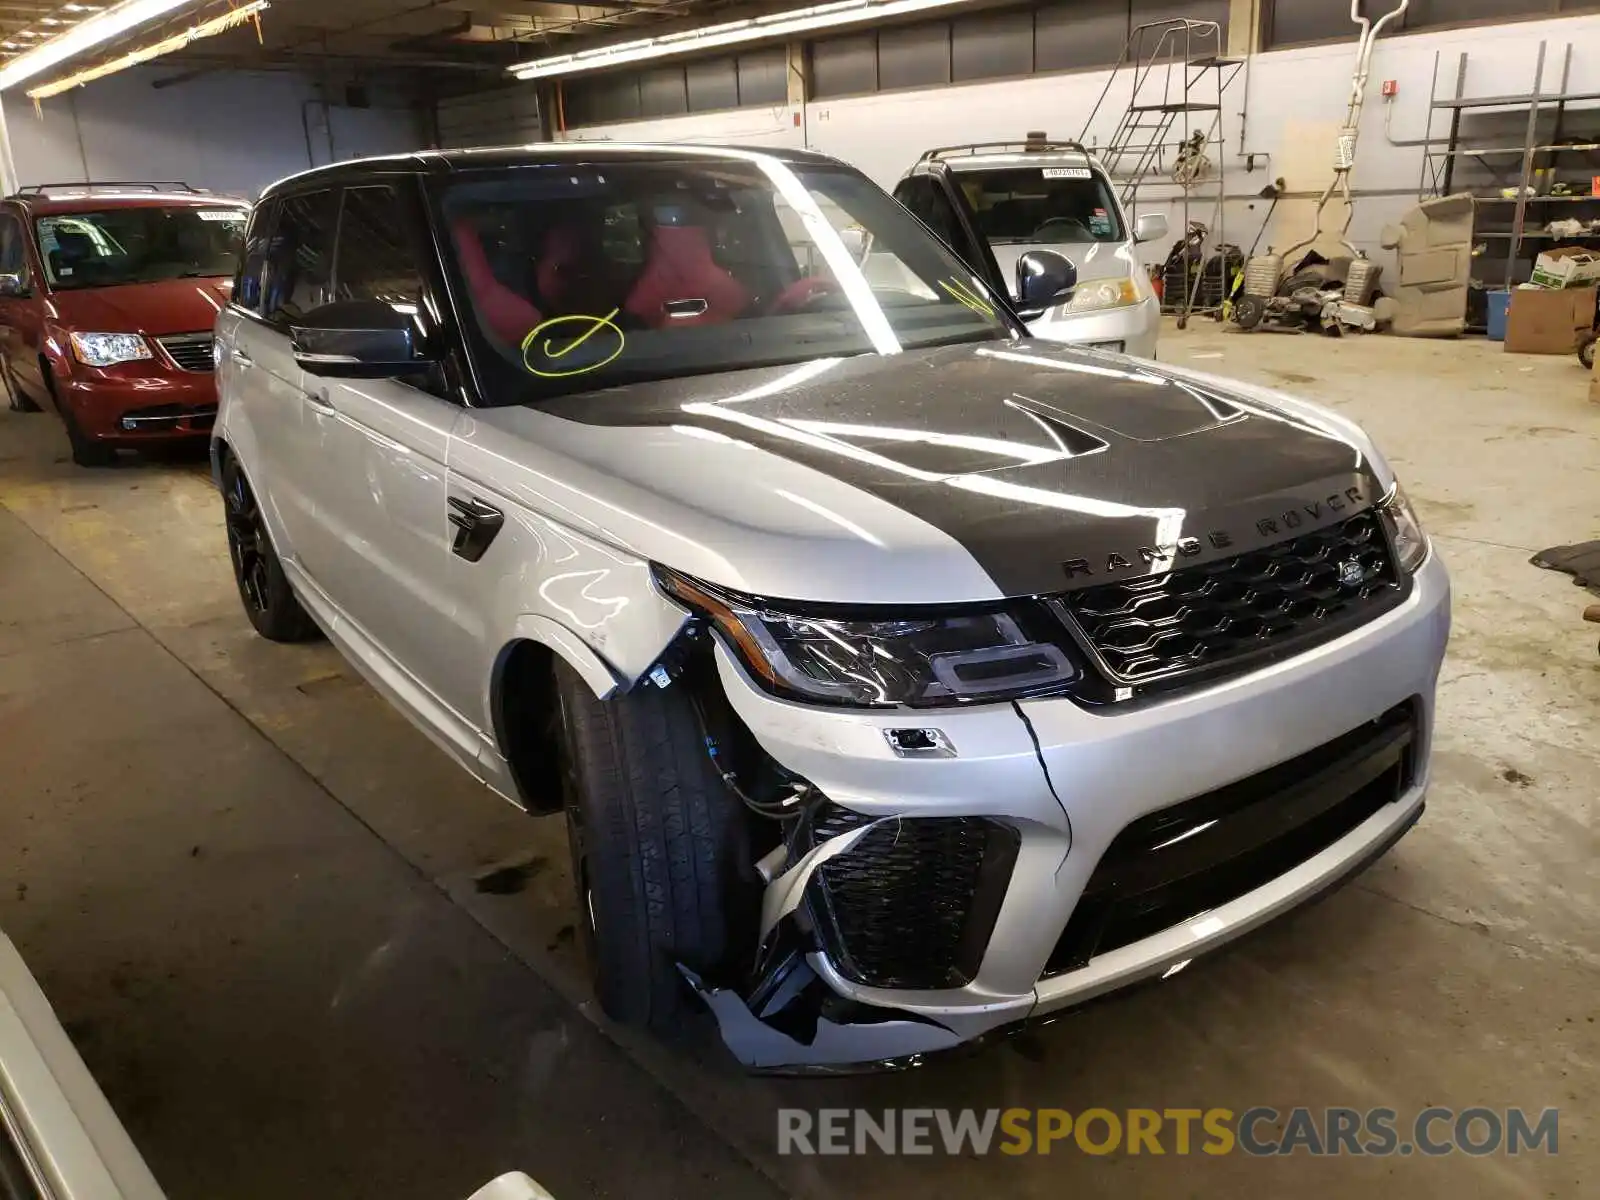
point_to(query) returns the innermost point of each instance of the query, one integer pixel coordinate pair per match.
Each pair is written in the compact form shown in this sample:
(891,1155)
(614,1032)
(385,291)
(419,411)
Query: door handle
(318,398)
(476,525)
(242,360)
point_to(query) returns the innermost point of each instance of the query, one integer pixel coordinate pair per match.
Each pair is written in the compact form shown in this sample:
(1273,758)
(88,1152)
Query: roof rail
(115,185)
(1029,146)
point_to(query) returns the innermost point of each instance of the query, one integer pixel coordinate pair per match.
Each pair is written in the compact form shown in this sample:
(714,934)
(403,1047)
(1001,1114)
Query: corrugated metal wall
(505,116)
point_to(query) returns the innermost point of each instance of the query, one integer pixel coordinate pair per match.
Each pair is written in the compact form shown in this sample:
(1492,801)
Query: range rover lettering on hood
(1053,467)
(1277,527)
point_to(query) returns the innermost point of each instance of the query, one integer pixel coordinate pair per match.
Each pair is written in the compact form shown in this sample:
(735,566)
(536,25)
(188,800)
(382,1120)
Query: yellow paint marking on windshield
(588,327)
(965,295)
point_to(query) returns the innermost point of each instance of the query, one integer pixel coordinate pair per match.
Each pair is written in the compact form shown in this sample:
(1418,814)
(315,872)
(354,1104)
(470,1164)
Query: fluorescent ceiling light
(86,35)
(692,41)
(242,15)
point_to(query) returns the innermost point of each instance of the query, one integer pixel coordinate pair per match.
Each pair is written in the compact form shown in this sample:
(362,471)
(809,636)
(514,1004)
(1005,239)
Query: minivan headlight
(879,662)
(108,349)
(1405,531)
(1103,293)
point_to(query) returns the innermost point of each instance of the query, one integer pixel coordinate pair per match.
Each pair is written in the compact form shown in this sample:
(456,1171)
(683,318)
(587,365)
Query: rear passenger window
(253,260)
(377,260)
(299,273)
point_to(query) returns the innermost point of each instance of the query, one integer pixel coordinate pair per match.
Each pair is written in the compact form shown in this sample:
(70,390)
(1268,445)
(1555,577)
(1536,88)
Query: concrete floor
(256,895)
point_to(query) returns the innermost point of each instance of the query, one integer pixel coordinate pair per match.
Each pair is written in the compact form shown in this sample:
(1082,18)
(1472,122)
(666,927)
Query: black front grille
(1235,610)
(912,904)
(1182,861)
(191,351)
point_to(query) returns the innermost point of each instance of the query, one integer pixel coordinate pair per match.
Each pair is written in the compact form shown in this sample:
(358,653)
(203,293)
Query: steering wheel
(803,293)
(1072,221)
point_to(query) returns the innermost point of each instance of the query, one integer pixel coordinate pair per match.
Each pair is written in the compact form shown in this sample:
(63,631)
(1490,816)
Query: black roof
(444,162)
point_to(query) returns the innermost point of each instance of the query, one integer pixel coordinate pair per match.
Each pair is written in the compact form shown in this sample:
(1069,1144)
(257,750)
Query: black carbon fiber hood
(1055,468)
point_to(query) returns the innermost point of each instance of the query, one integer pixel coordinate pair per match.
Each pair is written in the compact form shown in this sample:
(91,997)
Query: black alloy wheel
(269,602)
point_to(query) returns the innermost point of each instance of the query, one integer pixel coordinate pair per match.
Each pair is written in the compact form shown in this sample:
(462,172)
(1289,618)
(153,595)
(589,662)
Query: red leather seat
(558,258)
(679,267)
(509,316)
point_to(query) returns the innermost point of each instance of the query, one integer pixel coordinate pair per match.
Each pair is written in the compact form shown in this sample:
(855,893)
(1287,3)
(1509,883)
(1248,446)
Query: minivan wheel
(656,847)
(86,452)
(269,602)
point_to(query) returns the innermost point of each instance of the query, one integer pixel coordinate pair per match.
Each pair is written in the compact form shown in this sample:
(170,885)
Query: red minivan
(108,295)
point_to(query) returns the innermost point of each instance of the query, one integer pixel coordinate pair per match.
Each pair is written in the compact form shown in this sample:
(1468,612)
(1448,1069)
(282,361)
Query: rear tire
(658,846)
(268,600)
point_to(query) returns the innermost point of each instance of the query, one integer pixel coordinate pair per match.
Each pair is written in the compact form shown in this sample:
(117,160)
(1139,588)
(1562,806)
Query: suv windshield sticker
(221,214)
(1100,223)
(1067,173)
(580,328)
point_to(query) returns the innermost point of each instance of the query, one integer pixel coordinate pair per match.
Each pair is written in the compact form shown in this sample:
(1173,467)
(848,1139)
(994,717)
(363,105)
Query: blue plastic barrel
(1499,306)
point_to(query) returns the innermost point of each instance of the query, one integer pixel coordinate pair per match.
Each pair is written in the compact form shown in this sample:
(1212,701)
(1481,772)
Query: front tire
(269,602)
(86,451)
(658,846)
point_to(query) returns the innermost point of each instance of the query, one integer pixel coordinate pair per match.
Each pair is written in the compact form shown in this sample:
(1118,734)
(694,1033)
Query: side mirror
(1044,278)
(364,339)
(1150,227)
(12,285)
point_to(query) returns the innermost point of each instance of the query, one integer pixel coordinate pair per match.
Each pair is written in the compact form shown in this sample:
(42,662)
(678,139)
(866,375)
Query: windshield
(138,245)
(579,277)
(1042,205)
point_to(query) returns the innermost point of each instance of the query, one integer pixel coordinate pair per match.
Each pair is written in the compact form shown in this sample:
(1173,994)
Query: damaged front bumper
(1222,807)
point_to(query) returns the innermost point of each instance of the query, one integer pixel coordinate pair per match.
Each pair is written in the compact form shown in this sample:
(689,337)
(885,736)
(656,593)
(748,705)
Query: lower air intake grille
(912,904)
(1179,862)
(1229,612)
(191,351)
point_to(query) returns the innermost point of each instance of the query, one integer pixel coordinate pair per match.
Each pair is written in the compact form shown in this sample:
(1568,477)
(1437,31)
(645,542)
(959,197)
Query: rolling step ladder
(1167,146)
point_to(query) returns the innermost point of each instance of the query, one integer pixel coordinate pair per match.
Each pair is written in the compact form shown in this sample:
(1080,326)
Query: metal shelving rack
(1173,120)
(1549,143)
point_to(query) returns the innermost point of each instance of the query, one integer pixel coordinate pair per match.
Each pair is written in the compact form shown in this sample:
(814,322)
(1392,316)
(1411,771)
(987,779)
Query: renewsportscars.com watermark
(1261,1132)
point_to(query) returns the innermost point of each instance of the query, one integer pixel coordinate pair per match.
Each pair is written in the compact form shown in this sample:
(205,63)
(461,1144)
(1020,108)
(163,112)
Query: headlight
(108,349)
(1405,531)
(920,661)
(1103,293)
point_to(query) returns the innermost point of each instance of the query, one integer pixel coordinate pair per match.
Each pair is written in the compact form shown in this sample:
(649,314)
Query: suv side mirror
(1150,227)
(1044,278)
(365,339)
(13,285)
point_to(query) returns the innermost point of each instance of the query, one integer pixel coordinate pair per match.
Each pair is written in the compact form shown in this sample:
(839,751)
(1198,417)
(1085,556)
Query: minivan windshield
(1042,206)
(575,277)
(140,244)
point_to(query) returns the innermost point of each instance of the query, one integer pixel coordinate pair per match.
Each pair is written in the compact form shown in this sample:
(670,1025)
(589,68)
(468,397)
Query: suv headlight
(1103,293)
(1405,531)
(108,349)
(917,660)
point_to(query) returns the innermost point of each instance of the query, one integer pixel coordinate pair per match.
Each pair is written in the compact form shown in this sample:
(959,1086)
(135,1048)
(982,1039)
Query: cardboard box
(1566,267)
(1546,322)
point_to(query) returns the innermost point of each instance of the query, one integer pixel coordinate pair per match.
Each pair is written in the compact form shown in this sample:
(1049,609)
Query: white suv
(900,676)
(1003,206)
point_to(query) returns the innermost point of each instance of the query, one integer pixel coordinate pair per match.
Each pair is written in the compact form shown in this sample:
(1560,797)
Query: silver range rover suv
(901,677)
